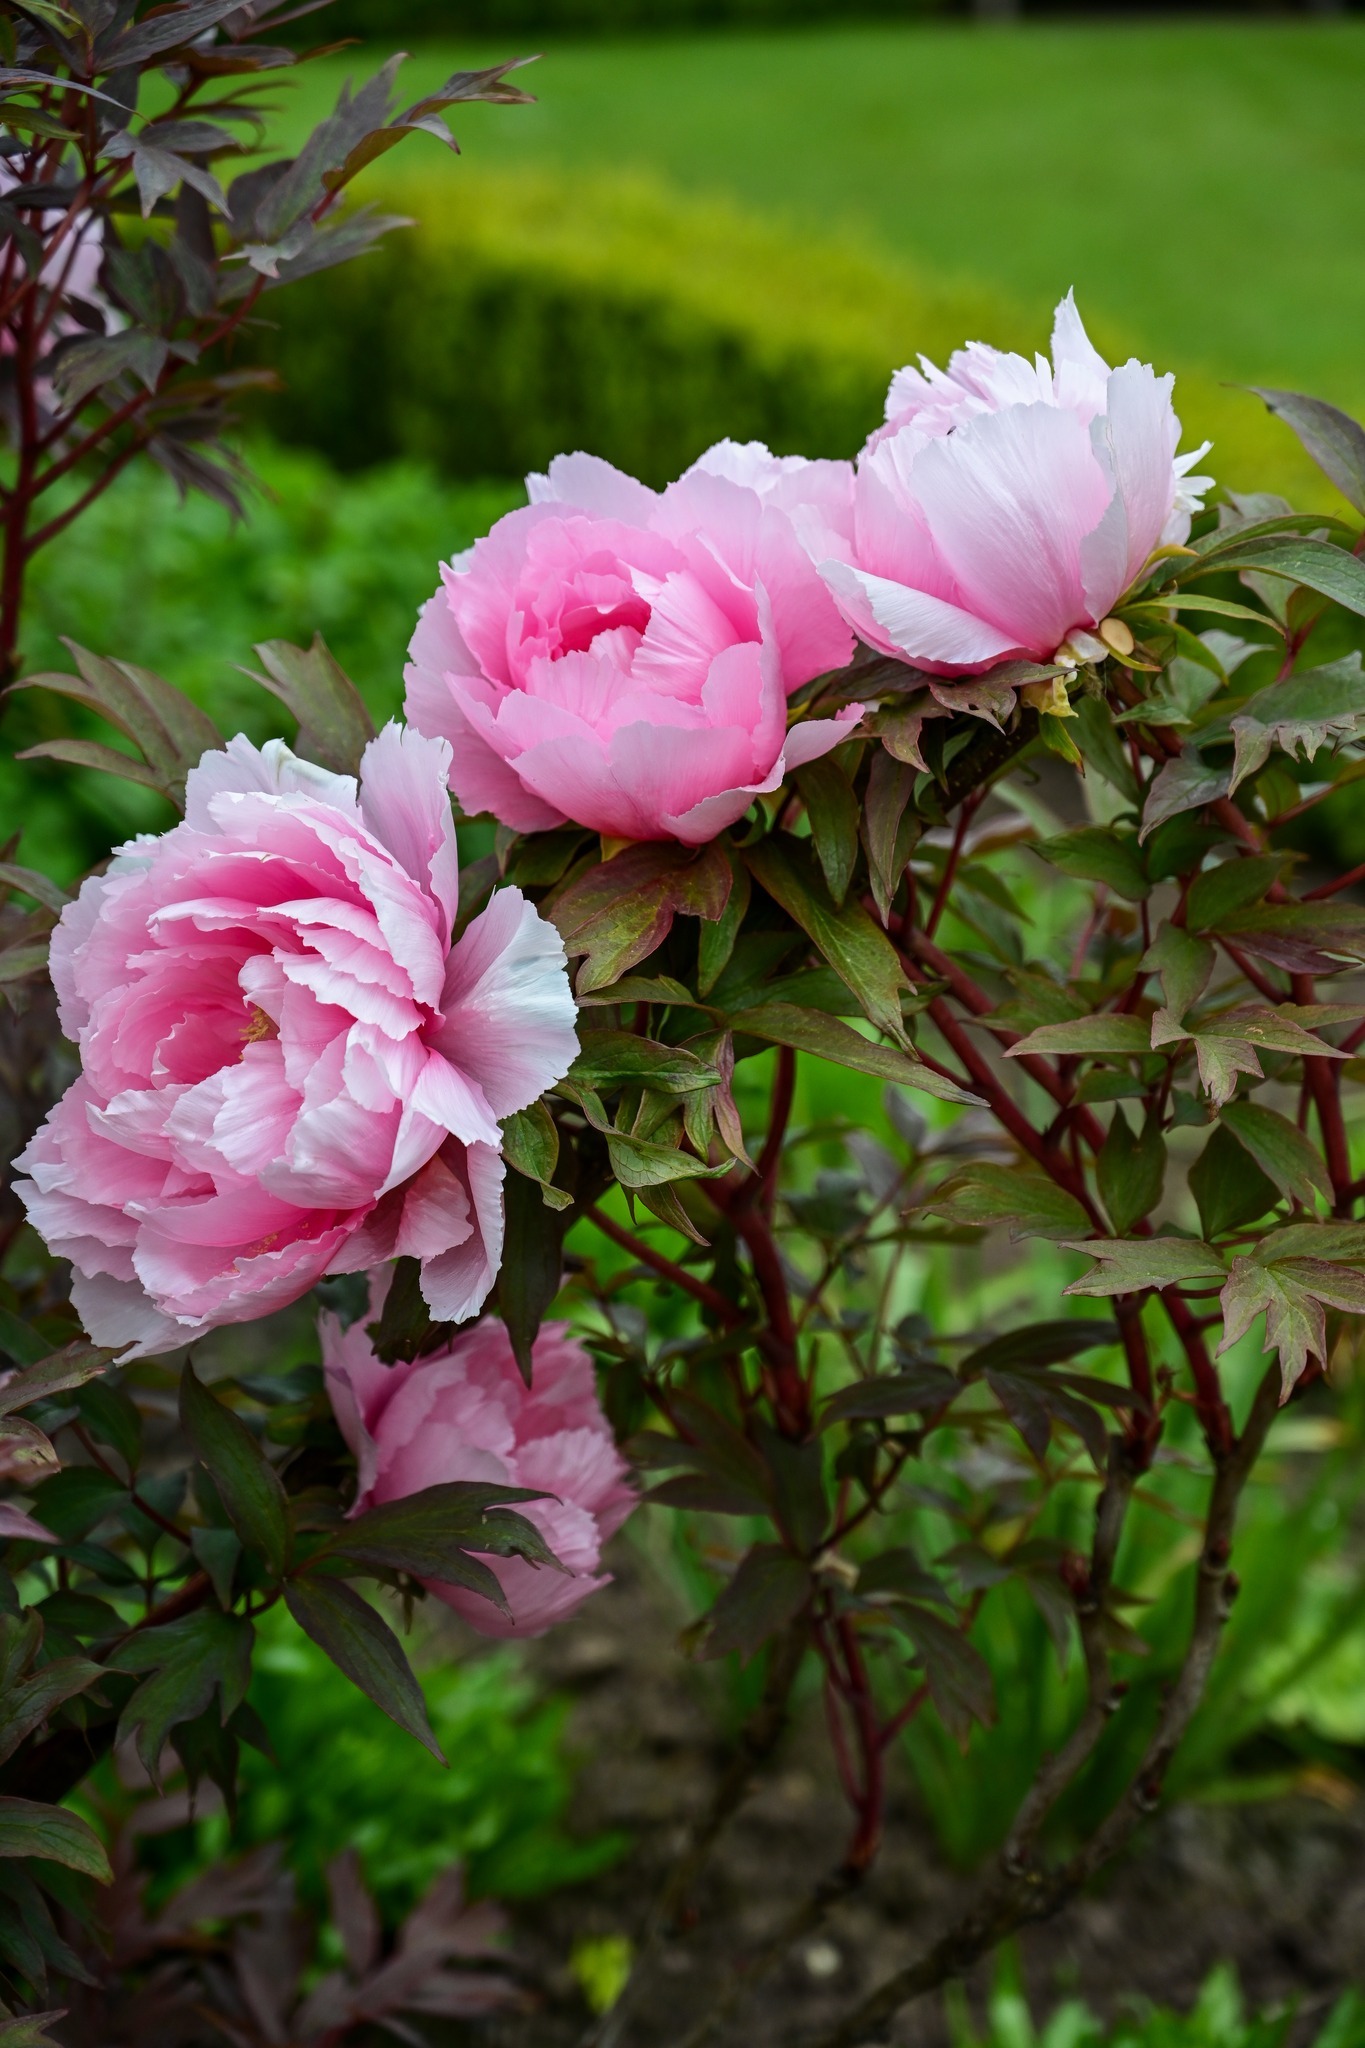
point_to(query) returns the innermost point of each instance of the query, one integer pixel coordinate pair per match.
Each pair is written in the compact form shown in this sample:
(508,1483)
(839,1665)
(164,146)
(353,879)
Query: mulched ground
(1277,1888)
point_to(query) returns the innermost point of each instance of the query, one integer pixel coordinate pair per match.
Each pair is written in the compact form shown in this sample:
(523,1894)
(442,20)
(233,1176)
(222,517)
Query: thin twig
(678,1276)
(1017,1895)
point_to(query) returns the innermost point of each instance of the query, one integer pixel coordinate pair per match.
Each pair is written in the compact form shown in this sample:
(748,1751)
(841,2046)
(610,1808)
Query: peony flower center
(579,625)
(257,1026)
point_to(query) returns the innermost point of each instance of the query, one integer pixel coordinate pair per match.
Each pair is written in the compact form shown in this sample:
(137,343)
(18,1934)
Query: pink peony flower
(286,1068)
(623,657)
(466,1413)
(1007,504)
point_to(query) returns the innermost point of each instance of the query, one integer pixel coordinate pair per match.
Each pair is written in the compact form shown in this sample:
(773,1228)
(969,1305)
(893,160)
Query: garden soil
(1278,1888)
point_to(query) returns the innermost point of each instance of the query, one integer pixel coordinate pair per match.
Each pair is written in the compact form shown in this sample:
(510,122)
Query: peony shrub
(1043,854)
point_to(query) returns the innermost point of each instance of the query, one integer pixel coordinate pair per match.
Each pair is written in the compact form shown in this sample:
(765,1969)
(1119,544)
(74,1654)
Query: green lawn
(1202,186)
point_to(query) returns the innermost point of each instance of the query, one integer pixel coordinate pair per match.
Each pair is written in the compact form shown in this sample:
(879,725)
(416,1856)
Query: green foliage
(1217,2019)
(352,559)
(344,1776)
(1270,1712)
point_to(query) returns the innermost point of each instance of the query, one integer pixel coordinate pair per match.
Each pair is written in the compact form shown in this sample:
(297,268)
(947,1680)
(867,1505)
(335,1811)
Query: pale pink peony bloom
(466,1413)
(623,657)
(286,1068)
(1006,505)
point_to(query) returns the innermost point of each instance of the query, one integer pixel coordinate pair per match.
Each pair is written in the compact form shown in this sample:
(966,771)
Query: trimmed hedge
(528,314)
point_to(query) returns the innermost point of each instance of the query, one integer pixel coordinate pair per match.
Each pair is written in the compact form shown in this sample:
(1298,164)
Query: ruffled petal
(456,1284)
(508,1014)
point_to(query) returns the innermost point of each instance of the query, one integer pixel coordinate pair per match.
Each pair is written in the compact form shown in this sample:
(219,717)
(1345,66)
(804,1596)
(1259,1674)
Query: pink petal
(120,1314)
(911,624)
(813,737)
(456,1285)
(1080,375)
(1009,498)
(240,1118)
(667,773)
(576,777)
(589,484)
(436,1213)
(1136,440)
(686,631)
(508,1014)
(273,770)
(447,1096)
(480,778)
(811,636)
(890,532)
(403,798)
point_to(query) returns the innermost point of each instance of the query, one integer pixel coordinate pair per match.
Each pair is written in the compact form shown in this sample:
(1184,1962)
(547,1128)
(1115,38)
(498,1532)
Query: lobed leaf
(247,1482)
(1299,715)
(1098,853)
(1103,1034)
(622,910)
(607,1058)
(958,1676)
(21,1343)
(334,726)
(188,1661)
(430,1534)
(52,1835)
(29,2029)
(1303,938)
(891,825)
(1131,1170)
(532,1265)
(834,814)
(829,1038)
(1333,572)
(861,955)
(1186,783)
(1231,886)
(27,1702)
(1129,1265)
(30,883)
(1334,440)
(1038,1345)
(921,1390)
(530,1145)
(1280,1150)
(768,1591)
(170,731)
(362,1646)
(1028,1200)
(1228,1185)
